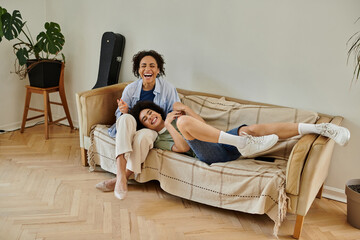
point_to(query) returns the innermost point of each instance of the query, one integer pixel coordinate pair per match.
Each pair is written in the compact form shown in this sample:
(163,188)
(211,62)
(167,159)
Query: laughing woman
(184,131)
(133,146)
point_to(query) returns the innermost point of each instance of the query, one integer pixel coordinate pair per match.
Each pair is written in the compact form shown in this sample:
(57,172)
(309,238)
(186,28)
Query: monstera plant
(30,53)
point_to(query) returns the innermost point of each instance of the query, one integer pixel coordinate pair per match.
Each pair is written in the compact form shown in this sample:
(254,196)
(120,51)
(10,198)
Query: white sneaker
(339,134)
(257,144)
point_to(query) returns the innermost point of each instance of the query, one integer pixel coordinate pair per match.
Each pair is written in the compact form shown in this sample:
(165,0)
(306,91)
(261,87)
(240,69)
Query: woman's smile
(151,119)
(148,71)
(154,121)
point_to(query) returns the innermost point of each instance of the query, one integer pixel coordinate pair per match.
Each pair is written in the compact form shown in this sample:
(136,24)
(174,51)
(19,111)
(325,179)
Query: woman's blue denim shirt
(165,96)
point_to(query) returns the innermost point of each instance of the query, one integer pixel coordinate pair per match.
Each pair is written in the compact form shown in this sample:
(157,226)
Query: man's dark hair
(140,55)
(139,106)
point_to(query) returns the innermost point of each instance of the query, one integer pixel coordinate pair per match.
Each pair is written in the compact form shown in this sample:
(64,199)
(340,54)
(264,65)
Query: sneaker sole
(348,139)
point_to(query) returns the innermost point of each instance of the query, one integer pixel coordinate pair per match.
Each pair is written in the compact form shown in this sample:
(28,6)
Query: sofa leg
(319,195)
(83,157)
(298,226)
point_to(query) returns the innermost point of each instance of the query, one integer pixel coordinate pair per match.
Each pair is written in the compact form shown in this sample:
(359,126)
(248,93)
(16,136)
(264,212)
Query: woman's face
(150,119)
(148,69)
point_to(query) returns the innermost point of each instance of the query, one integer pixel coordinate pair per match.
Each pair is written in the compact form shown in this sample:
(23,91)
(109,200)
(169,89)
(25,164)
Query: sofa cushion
(226,115)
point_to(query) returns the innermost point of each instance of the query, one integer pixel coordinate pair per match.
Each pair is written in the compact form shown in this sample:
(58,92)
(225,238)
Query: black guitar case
(111,54)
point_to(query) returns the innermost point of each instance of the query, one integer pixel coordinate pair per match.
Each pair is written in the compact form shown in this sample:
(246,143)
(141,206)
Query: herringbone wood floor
(46,194)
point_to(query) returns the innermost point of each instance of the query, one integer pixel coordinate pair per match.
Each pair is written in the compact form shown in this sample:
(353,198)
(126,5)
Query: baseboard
(16,125)
(334,194)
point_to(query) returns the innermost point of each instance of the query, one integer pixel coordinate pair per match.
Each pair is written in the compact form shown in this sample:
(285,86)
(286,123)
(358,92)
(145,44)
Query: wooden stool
(47,109)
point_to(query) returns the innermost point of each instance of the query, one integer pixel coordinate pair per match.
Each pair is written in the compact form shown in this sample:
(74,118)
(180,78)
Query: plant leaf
(354,50)
(51,41)
(2,12)
(22,55)
(12,24)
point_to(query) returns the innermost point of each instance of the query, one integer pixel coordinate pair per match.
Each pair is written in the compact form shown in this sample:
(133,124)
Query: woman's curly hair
(140,55)
(139,106)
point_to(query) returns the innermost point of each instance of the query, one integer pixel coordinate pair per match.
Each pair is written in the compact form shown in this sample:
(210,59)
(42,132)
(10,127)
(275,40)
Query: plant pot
(353,203)
(44,74)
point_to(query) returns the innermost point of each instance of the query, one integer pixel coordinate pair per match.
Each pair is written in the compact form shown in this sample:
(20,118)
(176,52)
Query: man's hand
(123,107)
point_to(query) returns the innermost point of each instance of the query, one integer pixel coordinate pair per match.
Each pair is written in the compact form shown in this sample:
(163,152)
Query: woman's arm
(180,144)
(178,106)
(124,101)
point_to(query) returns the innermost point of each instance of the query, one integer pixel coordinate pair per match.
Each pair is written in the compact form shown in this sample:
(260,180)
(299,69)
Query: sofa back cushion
(226,115)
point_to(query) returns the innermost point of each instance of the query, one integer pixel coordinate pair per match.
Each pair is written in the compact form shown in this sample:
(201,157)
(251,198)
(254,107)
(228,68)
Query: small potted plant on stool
(37,58)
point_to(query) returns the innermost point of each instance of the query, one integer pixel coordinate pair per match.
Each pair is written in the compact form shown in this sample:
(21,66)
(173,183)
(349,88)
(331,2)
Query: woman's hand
(180,144)
(122,105)
(178,106)
(185,110)
(172,116)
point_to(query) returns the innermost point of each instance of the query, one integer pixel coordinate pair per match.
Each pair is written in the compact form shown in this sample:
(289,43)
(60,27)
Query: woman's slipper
(120,194)
(102,186)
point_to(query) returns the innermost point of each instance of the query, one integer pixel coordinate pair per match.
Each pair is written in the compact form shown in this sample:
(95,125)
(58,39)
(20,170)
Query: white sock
(234,140)
(307,128)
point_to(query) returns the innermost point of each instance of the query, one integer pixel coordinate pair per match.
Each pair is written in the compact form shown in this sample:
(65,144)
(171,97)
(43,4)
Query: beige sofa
(290,182)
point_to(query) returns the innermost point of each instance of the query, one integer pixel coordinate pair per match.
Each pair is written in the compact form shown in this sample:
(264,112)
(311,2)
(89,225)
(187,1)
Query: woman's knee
(126,118)
(183,122)
(126,121)
(145,135)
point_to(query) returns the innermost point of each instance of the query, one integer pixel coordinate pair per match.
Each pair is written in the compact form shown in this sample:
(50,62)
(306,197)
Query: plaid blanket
(246,185)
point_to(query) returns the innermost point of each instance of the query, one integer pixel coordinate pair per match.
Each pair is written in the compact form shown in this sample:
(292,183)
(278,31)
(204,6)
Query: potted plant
(36,58)
(352,187)
(352,191)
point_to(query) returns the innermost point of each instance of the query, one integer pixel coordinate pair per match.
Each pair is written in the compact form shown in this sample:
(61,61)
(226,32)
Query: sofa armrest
(97,106)
(308,166)
(315,170)
(299,155)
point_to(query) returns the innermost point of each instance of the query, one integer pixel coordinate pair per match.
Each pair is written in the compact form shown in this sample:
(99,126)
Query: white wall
(12,90)
(290,53)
